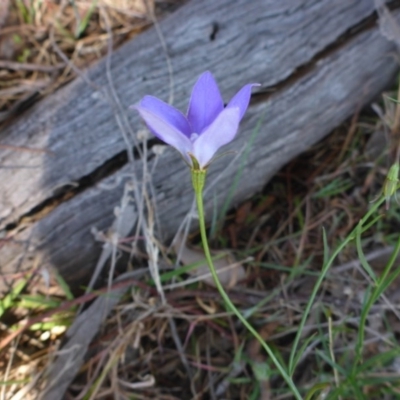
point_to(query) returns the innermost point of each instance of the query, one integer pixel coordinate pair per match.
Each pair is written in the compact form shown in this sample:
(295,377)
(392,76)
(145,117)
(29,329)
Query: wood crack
(69,191)
(118,161)
(364,25)
(320,64)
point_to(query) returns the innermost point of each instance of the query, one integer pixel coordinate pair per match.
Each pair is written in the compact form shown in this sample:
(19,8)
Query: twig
(16,66)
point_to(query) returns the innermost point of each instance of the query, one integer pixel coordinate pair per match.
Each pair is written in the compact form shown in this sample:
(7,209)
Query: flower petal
(168,113)
(167,132)
(222,131)
(242,98)
(205,103)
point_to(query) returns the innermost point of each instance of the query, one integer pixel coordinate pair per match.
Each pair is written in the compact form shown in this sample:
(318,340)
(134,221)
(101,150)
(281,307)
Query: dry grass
(180,343)
(41,39)
(134,354)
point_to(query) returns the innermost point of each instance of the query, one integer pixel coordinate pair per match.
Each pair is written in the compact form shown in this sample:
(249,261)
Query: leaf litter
(128,346)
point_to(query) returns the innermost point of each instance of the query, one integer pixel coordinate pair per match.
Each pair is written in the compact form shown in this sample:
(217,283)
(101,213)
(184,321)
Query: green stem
(321,277)
(377,290)
(198,179)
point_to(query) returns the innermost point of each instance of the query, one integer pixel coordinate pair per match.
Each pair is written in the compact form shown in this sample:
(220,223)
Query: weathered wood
(80,334)
(258,41)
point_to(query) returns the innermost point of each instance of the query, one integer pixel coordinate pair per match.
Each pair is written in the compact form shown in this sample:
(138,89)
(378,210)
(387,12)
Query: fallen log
(317,62)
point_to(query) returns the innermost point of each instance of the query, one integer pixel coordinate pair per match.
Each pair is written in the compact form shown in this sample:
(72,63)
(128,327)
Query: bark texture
(317,60)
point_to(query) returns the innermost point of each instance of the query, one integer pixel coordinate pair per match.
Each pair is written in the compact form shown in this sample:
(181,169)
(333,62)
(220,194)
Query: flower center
(194,136)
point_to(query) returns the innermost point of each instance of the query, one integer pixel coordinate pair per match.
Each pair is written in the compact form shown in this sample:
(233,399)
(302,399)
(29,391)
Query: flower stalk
(198,181)
(197,135)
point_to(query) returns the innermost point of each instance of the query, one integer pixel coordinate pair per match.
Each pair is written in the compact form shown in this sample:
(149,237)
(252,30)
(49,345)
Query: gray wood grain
(258,41)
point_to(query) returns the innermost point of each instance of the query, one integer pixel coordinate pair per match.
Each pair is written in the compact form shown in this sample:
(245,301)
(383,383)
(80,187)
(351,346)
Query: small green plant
(56,316)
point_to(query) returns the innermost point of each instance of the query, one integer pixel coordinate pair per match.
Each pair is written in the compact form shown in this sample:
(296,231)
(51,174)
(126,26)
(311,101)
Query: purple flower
(207,125)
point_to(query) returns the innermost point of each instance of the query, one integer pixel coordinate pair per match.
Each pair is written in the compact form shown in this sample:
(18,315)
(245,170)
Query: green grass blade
(64,286)
(10,299)
(361,255)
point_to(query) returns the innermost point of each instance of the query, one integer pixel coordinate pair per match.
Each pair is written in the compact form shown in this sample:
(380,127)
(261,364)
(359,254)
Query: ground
(315,280)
